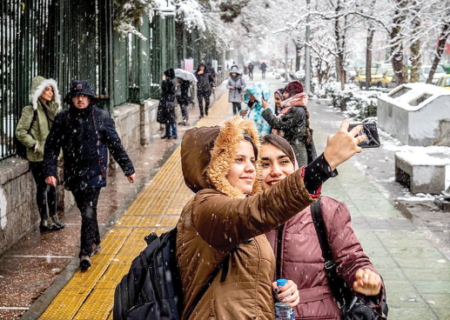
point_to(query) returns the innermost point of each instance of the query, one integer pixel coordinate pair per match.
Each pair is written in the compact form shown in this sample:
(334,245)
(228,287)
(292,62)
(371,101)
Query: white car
(425,71)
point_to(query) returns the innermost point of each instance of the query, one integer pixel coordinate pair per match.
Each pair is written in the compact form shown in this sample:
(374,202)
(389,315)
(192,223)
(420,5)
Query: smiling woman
(223,226)
(296,243)
(242,172)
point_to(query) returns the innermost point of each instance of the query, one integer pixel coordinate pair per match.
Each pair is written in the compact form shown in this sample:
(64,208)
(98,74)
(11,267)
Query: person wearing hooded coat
(256,96)
(84,132)
(32,133)
(204,86)
(224,225)
(236,84)
(296,246)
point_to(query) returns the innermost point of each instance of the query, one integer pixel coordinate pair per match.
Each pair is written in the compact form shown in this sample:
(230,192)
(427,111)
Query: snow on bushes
(353,102)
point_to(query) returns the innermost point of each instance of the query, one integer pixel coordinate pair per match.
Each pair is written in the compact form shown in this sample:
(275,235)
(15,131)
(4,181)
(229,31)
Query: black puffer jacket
(205,80)
(85,163)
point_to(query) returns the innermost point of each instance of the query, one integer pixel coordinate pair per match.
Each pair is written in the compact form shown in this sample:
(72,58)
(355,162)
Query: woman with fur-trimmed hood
(223,226)
(32,131)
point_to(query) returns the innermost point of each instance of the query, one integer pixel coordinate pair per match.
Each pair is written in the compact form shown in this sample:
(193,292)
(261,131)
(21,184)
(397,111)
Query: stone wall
(136,125)
(18,210)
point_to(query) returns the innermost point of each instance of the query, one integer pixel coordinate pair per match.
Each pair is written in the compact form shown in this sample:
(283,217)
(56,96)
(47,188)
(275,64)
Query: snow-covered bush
(355,103)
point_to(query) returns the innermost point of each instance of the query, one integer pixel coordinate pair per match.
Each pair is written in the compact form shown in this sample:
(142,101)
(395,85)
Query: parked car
(386,80)
(360,78)
(425,71)
(444,82)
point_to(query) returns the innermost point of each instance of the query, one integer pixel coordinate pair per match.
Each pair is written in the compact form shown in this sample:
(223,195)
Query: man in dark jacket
(263,68)
(84,132)
(204,86)
(251,66)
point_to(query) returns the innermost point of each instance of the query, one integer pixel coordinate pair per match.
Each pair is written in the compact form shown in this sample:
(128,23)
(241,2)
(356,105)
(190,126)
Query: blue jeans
(171,126)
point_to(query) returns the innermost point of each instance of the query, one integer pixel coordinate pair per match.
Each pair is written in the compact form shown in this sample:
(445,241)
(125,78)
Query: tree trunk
(370,34)
(397,41)
(340,54)
(298,57)
(442,40)
(416,57)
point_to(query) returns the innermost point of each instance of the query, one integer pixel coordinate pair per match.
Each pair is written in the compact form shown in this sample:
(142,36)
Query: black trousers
(184,105)
(45,194)
(87,200)
(236,107)
(200,97)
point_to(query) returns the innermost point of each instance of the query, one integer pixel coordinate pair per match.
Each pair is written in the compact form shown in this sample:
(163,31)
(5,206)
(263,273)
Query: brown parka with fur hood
(221,221)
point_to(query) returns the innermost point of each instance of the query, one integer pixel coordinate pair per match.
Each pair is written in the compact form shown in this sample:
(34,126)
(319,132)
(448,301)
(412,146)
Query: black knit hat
(80,87)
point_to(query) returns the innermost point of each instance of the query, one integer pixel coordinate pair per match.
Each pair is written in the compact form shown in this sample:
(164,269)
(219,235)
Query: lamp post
(307,54)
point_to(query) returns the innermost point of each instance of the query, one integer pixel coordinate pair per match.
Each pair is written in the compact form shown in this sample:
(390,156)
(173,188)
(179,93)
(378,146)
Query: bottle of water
(282,311)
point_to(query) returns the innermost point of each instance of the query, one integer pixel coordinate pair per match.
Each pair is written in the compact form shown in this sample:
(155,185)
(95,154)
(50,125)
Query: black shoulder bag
(21,150)
(351,306)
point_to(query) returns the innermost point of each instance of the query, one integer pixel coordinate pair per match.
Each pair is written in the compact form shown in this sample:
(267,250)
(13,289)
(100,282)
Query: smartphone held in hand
(371,131)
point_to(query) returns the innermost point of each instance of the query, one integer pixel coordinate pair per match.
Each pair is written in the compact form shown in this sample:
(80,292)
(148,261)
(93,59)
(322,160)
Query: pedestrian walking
(223,225)
(296,243)
(255,96)
(167,104)
(236,85)
(182,97)
(250,67)
(205,85)
(263,68)
(84,133)
(32,131)
(293,120)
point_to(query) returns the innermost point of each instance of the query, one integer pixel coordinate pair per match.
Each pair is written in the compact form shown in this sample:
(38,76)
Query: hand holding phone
(370,130)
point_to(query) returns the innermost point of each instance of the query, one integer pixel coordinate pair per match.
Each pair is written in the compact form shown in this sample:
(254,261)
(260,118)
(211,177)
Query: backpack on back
(152,288)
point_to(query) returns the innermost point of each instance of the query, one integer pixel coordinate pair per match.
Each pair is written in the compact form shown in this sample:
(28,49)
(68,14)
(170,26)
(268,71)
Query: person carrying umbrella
(182,83)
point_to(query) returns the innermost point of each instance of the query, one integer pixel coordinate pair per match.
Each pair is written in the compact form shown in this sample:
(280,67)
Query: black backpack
(21,150)
(152,289)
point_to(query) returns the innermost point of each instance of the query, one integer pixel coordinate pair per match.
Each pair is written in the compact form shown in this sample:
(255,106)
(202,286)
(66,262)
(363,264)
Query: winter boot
(51,225)
(96,248)
(58,222)
(43,226)
(85,262)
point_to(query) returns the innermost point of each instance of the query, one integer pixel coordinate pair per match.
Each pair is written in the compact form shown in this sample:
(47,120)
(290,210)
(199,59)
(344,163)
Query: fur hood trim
(224,151)
(37,92)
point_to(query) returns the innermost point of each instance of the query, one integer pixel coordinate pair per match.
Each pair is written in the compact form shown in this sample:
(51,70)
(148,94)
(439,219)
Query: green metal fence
(67,40)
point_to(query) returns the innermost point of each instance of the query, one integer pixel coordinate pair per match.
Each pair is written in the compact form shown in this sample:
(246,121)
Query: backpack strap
(101,160)
(224,264)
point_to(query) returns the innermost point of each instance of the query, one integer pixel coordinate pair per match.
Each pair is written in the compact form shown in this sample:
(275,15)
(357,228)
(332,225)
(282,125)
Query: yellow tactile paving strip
(90,295)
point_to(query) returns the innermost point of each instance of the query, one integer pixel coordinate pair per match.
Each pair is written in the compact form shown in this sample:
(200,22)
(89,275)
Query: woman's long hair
(293,88)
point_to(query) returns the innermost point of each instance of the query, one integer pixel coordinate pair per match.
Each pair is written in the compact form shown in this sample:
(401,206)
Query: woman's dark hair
(255,149)
(280,143)
(293,88)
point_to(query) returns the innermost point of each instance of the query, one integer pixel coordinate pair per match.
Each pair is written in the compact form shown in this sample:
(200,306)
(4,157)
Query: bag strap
(333,277)
(224,264)
(279,245)
(32,121)
(317,217)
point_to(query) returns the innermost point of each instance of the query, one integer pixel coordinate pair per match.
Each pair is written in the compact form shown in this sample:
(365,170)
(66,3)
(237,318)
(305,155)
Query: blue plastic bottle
(282,311)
